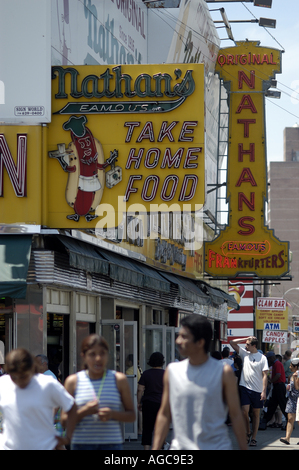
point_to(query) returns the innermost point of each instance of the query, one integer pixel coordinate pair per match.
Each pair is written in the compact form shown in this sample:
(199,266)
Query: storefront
(75,287)
(107,138)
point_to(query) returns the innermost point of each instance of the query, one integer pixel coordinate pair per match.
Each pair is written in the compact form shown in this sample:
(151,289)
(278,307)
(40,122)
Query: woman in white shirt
(28,401)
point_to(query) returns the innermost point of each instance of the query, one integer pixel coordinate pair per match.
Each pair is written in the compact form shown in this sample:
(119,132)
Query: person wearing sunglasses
(293,388)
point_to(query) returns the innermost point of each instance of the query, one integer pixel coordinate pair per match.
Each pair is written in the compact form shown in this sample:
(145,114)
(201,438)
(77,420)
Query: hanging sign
(129,136)
(295,326)
(21,180)
(275,337)
(247,245)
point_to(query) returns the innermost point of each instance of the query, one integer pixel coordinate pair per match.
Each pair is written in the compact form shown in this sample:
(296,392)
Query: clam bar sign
(271,313)
(130,133)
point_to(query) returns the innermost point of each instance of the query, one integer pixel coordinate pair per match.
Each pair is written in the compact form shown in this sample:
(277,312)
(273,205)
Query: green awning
(84,256)
(187,289)
(215,294)
(152,279)
(123,269)
(15,253)
(131,272)
(231,301)
(219,296)
(118,267)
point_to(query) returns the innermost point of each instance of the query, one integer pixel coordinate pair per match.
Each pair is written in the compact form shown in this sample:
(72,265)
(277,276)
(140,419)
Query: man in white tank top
(198,392)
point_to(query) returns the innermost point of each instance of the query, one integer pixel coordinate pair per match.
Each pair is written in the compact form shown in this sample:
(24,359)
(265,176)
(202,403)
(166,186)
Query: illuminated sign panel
(21,174)
(124,155)
(247,246)
(124,136)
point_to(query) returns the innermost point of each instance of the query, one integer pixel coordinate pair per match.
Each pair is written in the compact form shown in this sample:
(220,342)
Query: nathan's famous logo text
(247,245)
(150,90)
(144,117)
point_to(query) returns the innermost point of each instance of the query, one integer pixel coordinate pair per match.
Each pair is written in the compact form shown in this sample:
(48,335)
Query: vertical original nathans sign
(125,138)
(247,245)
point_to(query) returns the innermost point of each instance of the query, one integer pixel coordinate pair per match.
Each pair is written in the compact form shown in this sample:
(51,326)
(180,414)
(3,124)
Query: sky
(283,112)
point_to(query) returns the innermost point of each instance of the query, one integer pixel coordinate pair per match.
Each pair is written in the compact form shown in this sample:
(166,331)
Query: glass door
(131,359)
(7,335)
(58,344)
(158,338)
(153,341)
(83,329)
(113,332)
(169,344)
(122,339)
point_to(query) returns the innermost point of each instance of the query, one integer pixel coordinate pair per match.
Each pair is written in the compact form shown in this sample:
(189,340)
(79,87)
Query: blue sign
(272,326)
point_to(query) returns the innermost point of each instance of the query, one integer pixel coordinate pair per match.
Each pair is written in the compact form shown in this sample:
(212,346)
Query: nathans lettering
(247,245)
(144,117)
(103,35)
(144,86)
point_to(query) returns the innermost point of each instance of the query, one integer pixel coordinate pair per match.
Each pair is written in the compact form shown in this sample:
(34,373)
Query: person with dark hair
(278,389)
(216,355)
(197,394)
(293,389)
(225,356)
(253,383)
(28,400)
(130,366)
(286,364)
(103,398)
(238,368)
(149,395)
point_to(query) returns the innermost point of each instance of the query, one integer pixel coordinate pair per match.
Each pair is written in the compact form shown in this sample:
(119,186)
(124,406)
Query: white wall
(25,61)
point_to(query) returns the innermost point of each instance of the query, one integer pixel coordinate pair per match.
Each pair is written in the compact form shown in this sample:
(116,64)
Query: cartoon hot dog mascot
(84,162)
(237,291)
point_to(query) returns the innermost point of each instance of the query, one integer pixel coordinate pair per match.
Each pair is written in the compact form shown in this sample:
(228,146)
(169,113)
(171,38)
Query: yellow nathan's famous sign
(21,181)
(129,136)
(247,245)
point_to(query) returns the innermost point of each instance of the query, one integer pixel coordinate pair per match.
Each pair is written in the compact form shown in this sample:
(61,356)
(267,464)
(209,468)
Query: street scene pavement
(270,440)
(266,440)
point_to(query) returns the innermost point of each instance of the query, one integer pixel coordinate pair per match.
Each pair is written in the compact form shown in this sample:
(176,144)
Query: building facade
(64,280)
(284,218)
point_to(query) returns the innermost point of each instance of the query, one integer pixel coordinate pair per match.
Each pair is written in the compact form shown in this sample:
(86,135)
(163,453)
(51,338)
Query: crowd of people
(270,383)
(92,403)
(200,395)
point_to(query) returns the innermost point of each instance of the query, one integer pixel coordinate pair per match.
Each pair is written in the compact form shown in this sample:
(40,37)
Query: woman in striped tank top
(103,398)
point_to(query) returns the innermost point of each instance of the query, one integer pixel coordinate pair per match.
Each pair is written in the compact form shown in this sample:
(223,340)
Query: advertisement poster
(271,313)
